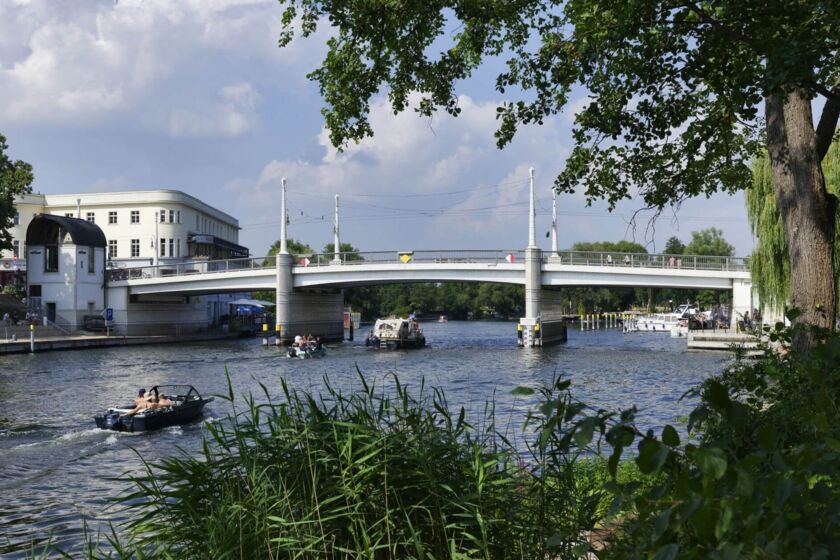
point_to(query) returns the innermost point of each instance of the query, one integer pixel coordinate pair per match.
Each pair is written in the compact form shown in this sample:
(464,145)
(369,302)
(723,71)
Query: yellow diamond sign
(405,257)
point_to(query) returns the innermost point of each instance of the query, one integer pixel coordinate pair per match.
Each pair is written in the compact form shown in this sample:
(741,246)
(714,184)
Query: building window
(179,246)
(172,216)
(163,247)
(112,249)
(135,247)
(16,248)
(196,223)
(178,214)
(91,260)
(51,258)
(68,214)
(17,219)
(112,217)
(162,215)
(171,247)
(135,216)
(90,217)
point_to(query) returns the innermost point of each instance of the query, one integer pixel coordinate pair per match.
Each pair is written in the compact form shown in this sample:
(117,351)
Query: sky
(195,95)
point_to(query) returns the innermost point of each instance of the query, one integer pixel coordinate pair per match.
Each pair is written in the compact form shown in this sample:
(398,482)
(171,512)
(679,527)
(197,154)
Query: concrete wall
(316,312)
(172,315)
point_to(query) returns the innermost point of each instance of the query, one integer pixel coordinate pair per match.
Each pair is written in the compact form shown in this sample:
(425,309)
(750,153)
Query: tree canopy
(709,241)
(15,180)
(673,93)
(674,246)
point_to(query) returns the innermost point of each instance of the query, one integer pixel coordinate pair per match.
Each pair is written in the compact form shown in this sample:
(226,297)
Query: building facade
(141,227)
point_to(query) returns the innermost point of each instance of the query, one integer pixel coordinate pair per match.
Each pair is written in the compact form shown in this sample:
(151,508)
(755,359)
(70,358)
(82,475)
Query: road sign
(405,256)
(304,262)
(109,314)
(511,258)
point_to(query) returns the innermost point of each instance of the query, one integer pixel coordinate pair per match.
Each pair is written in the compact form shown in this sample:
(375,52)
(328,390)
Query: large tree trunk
(807,209)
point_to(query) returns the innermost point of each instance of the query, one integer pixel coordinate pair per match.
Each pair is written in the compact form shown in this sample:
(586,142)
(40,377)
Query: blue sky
(195,95)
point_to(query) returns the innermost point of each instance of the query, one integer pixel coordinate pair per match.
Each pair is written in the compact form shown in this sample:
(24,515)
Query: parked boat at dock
(396,334)
(661,322)
(187,405)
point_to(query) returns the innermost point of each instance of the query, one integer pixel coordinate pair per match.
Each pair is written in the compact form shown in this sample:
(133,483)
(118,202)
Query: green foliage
(674,246)
(760,482)
(15,291)
(709,241)
(349,252)
(294,247)
(15,180)
(623,246)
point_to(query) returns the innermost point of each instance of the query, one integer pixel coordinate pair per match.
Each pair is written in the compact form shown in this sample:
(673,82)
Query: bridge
(309,287)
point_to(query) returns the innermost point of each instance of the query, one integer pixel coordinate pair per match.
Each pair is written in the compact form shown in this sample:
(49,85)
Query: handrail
(480,256)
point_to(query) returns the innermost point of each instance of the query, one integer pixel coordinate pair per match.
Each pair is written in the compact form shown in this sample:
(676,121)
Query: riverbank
(80,342)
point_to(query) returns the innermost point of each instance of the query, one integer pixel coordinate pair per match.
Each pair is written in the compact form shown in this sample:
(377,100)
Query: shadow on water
(57,471)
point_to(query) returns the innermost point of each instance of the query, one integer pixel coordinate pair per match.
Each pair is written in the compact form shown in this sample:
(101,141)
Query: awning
(251,302)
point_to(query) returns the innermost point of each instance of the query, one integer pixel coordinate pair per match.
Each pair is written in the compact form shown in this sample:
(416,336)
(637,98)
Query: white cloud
(159,63)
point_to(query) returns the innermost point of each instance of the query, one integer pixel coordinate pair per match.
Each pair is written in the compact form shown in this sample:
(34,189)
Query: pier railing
(493,257)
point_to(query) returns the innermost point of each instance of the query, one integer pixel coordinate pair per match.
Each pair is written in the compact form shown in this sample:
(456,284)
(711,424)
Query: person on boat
(318,344)
(141,397)
(163,401)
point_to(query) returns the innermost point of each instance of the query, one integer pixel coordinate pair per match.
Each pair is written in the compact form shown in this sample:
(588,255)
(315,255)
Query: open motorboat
(309,351)
(396,334)
(187,405)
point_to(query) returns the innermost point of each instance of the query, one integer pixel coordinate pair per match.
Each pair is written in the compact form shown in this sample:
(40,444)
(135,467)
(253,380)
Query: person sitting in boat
(318,344)
(164,401)
(141,397)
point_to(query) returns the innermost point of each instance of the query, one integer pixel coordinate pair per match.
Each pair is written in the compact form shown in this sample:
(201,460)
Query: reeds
(377,473)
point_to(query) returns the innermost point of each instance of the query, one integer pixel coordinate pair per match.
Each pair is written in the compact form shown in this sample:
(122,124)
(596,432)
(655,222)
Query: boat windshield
(187,391)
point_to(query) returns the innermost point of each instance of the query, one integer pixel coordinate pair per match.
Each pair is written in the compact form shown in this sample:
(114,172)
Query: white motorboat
(661,322)
(396,334)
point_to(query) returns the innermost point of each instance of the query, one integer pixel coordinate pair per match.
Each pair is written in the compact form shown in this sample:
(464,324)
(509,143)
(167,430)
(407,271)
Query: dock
(723,341)
(78,342)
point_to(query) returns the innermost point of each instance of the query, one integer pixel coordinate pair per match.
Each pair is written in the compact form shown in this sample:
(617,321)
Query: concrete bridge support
(299,312)
(741,300)
(543,322)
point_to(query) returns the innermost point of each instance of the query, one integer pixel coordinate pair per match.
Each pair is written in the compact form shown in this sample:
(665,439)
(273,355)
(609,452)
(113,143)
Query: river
(56,468)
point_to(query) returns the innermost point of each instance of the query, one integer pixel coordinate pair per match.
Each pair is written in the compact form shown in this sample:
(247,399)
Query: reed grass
(377,473)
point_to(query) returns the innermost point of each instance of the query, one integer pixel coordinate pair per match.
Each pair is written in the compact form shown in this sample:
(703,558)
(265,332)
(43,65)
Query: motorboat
(661,322)
(443,319)
(396,334)
(187,405)
(310,351)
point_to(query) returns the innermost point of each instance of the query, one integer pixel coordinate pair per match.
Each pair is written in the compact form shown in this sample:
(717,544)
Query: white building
(141,228)
(188,229)
(66,277)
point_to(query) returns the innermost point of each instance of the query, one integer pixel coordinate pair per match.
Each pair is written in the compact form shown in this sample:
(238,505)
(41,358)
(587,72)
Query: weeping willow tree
(770,263)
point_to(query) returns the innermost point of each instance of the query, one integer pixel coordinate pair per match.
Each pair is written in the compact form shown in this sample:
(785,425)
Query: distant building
(188,228)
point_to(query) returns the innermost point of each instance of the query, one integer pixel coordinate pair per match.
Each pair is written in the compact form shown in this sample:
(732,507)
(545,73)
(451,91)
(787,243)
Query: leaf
(522,391)
(667,552)
(783,491)
(670,436)
(717,395)
(711,461)
(744,485)
(660,524)
(724,522)
(652,456)
(584,431)
(730,551)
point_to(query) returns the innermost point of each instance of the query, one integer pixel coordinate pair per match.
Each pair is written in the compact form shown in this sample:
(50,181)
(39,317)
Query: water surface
(55,465)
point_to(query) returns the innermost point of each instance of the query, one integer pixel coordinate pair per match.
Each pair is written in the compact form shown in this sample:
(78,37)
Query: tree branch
(828,121)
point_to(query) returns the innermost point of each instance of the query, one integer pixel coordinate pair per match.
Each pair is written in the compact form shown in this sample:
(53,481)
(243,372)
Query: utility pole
(337,245)
(532,215)
(554,249)
(284,249)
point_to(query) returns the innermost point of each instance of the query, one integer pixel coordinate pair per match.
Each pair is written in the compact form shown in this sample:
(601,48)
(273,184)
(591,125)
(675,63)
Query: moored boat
(187,405)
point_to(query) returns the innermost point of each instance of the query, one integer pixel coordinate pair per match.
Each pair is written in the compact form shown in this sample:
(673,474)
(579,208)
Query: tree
(769,262)
(15,180)
(294,247)
(710,242)
(675,92)
(350,253)
(674,246)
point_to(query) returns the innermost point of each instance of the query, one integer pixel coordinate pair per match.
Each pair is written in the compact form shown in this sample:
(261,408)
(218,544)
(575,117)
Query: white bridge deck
(565,268)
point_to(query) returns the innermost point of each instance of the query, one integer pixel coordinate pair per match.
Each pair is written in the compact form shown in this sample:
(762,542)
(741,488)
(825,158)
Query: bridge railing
(584,258)
(644,260)
(406,257)
(188,268)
